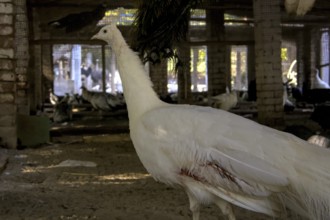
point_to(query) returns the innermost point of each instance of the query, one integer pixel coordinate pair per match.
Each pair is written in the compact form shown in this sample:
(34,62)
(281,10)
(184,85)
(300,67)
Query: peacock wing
(173,133)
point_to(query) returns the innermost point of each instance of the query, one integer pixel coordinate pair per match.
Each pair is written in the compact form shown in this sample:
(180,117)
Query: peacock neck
(139,94)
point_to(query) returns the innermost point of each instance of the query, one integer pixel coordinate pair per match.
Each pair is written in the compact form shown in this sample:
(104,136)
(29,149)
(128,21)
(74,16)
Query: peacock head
(106,33)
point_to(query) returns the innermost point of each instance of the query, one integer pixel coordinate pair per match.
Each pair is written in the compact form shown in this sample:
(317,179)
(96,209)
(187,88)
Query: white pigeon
(53,98)
(298,7)
(216,156)
(318,83)
(225,101)
(101,101)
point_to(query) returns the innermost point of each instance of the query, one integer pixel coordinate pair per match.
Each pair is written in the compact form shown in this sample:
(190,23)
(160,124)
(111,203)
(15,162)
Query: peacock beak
(96,33)
(95,36)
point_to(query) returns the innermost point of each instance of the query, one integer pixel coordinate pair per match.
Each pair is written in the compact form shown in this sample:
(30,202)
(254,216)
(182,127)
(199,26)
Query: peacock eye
(105,31)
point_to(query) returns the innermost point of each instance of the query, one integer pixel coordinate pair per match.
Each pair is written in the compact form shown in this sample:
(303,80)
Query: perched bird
(288,105)
(225,101)
(216,156)
(298,7)
(318,83)
(77,21)
(53,98)
(102,101)
(63,109)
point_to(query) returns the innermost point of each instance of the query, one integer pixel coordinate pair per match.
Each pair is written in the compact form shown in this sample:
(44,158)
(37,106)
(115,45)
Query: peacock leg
(194,206)
(226,209)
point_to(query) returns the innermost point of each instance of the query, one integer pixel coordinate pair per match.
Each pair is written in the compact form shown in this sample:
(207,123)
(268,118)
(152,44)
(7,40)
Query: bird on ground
(216,156)
(63,109)
(77,21)
(102,101)
(318,83)
(225,101)
(53,99)
(288,105)
(298,7)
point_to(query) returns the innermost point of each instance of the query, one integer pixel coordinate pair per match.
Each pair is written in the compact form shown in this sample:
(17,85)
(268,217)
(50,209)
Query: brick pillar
(300,58)
(13,68)
(7,76)
(251,63)
(267,16)
(314,42)
(184,76)
(21,56)
(216,54)
(158,76)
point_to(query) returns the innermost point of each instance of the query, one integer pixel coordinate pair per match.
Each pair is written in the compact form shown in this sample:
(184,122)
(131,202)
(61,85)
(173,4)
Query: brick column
(267,16)
(158,76)
(184,75)
(307,55)
(13,68)
(314,57)
(21,56)
(251,63)
(300,59)
(216,54)
(7,76)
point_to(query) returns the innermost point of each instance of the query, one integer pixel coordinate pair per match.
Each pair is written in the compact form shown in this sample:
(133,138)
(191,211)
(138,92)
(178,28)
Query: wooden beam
(220,42)
(110,5)
(103,70)
(66,41)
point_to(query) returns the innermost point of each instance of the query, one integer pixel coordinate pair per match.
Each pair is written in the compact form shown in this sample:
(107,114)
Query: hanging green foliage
(159,25)
(284,53)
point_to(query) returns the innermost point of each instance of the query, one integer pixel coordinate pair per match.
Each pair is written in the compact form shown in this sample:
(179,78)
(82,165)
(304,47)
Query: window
(198,70)
(197,18)
(324,56)
(238,68)
(121,16)
(76,65)
(289,63)
(172,79)
(233,20)
(198,64)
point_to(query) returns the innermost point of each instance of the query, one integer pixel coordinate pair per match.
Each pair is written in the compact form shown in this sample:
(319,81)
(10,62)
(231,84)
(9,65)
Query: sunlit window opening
(172,78)
(324,62)
(198,70)
(239,70)
(289,63)
(121,16)
(77,65)
(233,20)
(197,18)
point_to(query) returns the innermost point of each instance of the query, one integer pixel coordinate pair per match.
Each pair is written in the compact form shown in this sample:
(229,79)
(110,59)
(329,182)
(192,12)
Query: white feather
(298,7)
(291,6)
(225,101)
(215,155)
(304,6)
(318,83)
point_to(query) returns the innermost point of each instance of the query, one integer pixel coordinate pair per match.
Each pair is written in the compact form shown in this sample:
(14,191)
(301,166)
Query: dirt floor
(90,177)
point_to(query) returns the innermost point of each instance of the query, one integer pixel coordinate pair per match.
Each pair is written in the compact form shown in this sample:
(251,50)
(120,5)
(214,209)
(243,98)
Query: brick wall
(301,52)
(267,17)
(314,54)
(13,68)
(217,54)
(22,56)
(184,75)
(158,76)
(307,55)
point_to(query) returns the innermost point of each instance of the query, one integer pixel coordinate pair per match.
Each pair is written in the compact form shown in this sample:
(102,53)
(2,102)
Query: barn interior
(223,50)
(249,57)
